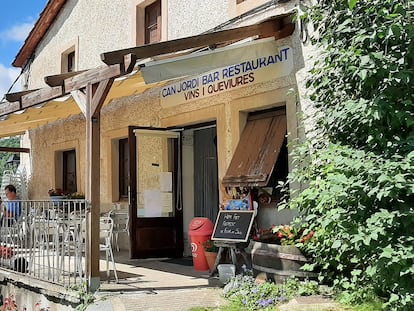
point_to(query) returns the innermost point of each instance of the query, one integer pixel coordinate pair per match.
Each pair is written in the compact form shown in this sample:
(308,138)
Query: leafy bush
(360,171)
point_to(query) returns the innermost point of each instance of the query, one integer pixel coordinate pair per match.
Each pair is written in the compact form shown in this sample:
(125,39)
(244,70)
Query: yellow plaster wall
(45,142)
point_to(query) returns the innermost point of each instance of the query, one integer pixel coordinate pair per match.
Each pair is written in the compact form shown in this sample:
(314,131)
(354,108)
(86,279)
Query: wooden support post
(95,97)
(93,189)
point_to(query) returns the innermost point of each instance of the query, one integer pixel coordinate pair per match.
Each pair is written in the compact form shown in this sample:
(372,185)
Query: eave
(41,26)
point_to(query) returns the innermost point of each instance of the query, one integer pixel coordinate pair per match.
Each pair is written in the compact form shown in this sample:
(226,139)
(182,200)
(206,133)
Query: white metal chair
(47,243)
(75,239)
(106,226)
(121,224)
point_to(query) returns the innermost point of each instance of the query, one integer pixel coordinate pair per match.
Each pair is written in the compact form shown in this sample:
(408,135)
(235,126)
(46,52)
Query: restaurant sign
(276,62)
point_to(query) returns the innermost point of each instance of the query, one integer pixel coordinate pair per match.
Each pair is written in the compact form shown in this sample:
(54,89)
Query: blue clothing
(14,208)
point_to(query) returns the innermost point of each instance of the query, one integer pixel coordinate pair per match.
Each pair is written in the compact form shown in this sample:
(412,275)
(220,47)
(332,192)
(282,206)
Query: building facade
(209,111)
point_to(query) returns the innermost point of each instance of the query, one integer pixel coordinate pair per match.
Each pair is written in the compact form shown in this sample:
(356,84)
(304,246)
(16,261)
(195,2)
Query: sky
(17,19)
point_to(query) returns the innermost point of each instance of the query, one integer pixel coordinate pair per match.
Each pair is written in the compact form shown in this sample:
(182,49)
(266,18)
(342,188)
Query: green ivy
(359,174)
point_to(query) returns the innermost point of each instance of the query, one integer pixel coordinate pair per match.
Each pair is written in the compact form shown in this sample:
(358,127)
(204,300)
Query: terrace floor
(157,284)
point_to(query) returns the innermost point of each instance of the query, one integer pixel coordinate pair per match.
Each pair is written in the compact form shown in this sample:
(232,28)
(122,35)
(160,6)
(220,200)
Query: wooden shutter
(257,151)
(153,22)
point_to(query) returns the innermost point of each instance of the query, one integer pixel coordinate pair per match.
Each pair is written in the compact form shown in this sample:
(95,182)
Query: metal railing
(46,240)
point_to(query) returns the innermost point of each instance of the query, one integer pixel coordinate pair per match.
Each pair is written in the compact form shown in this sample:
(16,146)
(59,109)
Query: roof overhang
(42,25)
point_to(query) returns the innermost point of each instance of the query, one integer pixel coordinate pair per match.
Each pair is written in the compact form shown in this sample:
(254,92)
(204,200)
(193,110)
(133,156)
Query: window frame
(68,60)
(138,31)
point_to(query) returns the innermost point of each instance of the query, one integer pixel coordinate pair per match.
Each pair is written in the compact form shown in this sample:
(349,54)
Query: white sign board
(276,62)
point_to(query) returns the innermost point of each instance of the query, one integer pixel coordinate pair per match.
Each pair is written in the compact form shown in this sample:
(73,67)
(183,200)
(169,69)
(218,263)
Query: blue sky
(17,19)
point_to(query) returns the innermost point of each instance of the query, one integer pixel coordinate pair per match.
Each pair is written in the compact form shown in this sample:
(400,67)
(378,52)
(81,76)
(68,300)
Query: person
(12,209)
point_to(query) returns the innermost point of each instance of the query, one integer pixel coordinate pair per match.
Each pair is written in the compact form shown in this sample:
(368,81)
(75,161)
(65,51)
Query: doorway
(200,175)
(205,173)
(155,206)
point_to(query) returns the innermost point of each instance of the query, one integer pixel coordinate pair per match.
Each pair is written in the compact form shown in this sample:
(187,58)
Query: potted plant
(56,194)
(210,251)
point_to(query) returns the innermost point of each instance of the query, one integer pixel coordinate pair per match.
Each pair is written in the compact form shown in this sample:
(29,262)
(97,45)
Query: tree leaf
(352,4)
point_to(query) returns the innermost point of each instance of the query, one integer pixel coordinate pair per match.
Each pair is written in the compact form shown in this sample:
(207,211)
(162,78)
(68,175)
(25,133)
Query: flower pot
(211,259)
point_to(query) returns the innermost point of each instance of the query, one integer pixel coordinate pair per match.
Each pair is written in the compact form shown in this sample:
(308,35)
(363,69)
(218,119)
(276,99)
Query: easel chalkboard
(233,225)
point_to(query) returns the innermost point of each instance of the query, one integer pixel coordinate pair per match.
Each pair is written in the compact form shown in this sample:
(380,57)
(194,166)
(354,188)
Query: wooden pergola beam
(93,76)
(41,96)
(71,82)
(14,149)
(58,80)
(8,108)
(17,96)
(267,28)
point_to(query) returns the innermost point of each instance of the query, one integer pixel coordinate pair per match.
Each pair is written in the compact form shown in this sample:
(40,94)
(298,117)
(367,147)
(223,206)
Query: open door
(156,226)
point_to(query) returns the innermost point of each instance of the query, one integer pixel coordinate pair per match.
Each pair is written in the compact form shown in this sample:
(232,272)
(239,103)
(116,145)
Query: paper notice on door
(167,204)
(166,181)
(152,203)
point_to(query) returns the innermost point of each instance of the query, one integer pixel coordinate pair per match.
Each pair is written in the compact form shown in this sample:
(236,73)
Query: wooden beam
(100,94)
(14,149)
(17,96)
(129,62)
(41,96)
(80,99)
(8,108)
(92,76)
(264,29)
(93,185)
(57,80)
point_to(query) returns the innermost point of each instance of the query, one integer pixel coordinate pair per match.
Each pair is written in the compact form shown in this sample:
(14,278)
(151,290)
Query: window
(68,60)
(69,171)
(123,167)
(153,22)
(239,1)
(71,61)
(258,150)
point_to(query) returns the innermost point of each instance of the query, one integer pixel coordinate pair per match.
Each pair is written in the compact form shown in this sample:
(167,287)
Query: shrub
(359,171)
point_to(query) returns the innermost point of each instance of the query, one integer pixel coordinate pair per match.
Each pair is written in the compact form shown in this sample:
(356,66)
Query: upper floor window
(68,60)
(153,22)
(150,21)
(239,1)
(71,61)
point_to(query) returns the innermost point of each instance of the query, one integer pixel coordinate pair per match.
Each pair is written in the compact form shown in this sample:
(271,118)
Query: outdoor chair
(47,243)
(121,224)
(106,226)
(73,250)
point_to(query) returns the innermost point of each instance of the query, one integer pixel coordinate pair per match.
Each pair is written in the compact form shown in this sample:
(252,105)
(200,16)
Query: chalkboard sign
(233,225)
